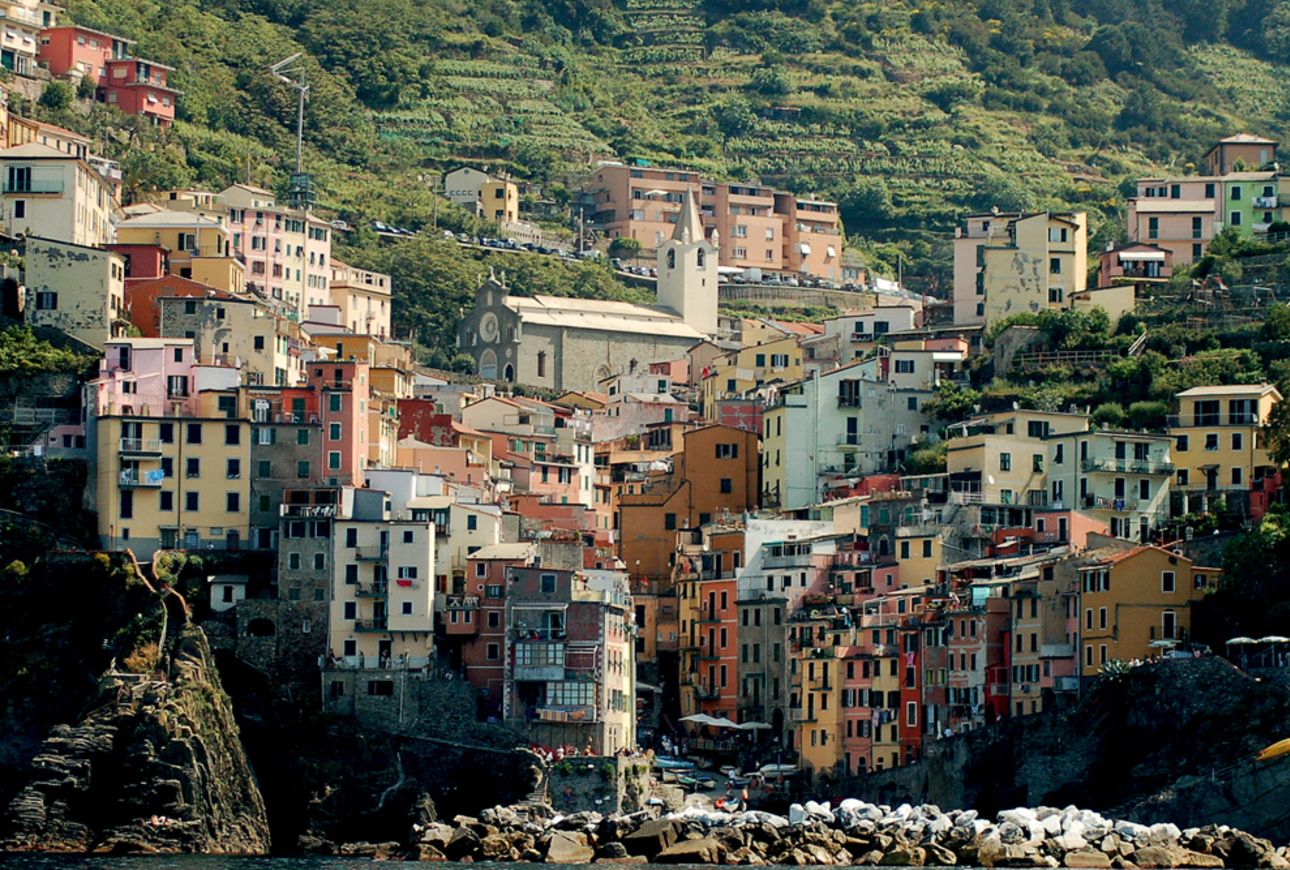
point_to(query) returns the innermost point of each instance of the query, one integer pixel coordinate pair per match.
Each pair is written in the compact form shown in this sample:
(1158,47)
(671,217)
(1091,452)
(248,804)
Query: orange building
(716,473)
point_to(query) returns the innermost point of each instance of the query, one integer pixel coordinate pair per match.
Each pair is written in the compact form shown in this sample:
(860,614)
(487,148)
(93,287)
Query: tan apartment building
(55,194)
(753,226)
(1008,264)
(362,299)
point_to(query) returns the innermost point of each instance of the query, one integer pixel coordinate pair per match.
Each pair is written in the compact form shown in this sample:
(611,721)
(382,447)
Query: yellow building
(56,195)
(1219,446)
(819,709)
(362,298)
(200,247)
(919,549)
(886,731)
(1137,603)
(166,482)
(739,371)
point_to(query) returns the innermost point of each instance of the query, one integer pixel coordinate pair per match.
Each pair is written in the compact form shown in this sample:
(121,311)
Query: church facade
(572,344)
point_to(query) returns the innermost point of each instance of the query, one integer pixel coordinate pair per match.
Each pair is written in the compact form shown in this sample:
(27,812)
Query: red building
(131,84)
(141,298)
(472,622)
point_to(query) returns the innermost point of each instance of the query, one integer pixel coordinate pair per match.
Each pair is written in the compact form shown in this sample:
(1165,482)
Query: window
(1235,218)
(320,562)
(46,300)
(1238,441)
(669,521)
(904,366)
(333,460)
(1236,193)
(1211,441)
(233,469)
(1209,190)
(232,435)
(1168,582)
(232,502)
(194,433)
(727,451)
(1153,228)
(1054,265)
(1181,443)
(167,501)
(166,432)
(1182,477)
(192,467)
(1237,475)
(1005,462)
(190,501)
(302,469)
(333,431)
(727,485)
(333,401)
(127,505)
(472,522)
(548,584)
(351,537)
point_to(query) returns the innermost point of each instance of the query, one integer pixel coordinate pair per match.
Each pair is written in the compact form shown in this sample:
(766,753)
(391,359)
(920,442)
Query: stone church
(572,344)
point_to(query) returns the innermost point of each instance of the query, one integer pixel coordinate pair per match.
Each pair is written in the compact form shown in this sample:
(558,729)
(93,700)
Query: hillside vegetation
(906,112)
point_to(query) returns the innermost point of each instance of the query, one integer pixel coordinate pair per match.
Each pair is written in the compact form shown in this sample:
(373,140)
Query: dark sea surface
(214,862)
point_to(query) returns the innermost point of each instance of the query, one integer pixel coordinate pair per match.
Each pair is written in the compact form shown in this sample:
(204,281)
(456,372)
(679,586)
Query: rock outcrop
(156,767)
(854,833)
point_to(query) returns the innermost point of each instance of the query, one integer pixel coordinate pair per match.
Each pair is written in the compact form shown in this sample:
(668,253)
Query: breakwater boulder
(852,833)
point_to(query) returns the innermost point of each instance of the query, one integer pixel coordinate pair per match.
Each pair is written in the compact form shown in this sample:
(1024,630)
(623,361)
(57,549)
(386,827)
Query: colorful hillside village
(630,522)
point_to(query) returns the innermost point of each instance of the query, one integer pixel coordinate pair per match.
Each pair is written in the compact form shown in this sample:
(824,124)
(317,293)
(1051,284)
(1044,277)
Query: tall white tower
(687,270)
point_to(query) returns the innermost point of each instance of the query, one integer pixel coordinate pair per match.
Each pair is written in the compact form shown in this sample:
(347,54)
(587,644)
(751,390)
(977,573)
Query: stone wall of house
(604,784)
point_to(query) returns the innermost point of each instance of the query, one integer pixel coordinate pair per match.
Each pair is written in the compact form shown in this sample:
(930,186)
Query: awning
(803,248)
(1238,641)
(1130,256)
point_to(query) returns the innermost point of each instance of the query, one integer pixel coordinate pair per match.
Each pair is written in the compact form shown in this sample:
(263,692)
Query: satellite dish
(989,478)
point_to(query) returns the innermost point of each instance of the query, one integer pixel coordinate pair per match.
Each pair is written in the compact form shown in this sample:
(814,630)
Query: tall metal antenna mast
(283,71)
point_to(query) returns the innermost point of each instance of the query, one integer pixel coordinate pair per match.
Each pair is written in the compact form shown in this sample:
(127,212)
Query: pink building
(1134,261)
(146,377)
(346,395)
(78,52)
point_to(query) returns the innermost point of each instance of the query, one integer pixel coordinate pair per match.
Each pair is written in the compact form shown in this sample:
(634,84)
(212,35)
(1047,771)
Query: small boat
(667,762)
(1281,747)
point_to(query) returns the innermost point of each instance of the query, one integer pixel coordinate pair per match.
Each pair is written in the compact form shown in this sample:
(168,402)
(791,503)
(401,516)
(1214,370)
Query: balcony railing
(849,439)
(1128,466)
(848,401)
(140,445)
(376,623)
(570,714)
(372,590)
(35,186)
(131,479)
(1233,419)
(371,554)
(307,510)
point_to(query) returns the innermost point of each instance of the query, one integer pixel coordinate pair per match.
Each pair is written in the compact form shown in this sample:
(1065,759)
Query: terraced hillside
(907,111)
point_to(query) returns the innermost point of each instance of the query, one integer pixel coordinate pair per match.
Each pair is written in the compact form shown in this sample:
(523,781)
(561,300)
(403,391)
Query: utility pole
(288,70)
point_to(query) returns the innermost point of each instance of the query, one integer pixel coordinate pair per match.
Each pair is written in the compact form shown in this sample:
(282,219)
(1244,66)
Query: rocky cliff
(1170,742)
(155,766)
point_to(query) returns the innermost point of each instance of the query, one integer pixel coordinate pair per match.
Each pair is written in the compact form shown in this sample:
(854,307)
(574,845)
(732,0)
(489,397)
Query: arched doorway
(261,627)
(508,373)
(488,364)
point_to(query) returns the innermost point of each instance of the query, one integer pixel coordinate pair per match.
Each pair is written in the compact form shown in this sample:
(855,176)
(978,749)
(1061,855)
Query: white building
(55,195)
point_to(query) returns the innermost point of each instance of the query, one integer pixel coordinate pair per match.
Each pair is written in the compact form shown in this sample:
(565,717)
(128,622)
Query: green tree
(57,96)
(771,81)
(624,247)
(953,402)
(1109,415)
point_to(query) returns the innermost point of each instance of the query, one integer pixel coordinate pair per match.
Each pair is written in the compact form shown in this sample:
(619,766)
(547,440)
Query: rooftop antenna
(289,70)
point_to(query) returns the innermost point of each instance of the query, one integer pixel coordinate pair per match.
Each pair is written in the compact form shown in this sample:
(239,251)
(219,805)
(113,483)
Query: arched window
(488,364)
(508,373)
(700,258)
(260,628)
(671,258)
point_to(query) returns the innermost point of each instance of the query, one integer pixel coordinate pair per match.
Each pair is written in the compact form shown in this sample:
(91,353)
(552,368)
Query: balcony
(463,602)
(371,554)
(307,510)
(795,560)
(573,714)
(1244,418)
(35,187)
(133,479)
(849,441)
(1056,651)
(799,715)
(373,589)
(1265,202)
(141,446)
(848,401)
(376,623)
(1128,466)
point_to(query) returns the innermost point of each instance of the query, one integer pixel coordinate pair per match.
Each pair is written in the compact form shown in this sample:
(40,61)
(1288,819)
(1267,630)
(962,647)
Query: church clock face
(488,327)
